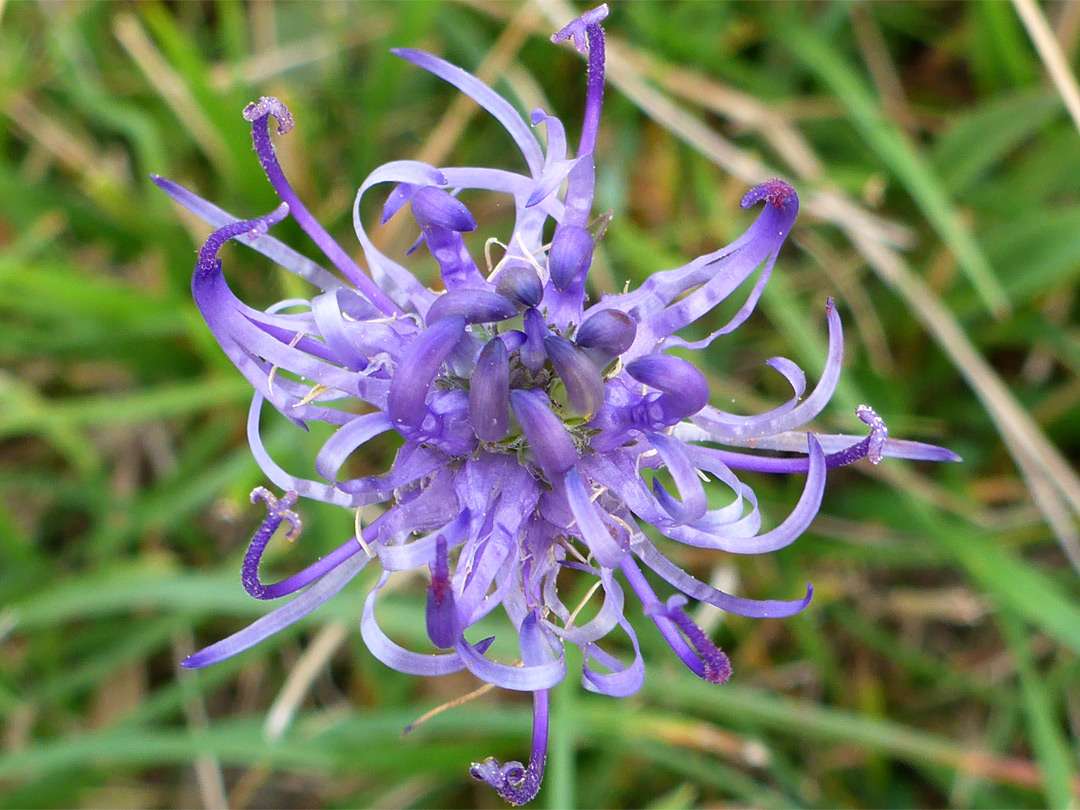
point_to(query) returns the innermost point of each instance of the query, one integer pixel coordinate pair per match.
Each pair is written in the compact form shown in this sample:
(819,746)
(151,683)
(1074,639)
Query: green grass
(938,662)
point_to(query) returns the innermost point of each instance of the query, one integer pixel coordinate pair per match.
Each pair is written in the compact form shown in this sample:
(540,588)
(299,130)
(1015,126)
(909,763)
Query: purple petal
(593,531)
(395,656)
(346,440)
(696,589)
(486,98)
(527,678)
(284,616)
(686,480)
(732,428)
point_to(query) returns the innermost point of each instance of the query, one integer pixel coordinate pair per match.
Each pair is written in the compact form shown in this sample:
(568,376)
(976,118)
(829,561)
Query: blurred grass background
(940,180)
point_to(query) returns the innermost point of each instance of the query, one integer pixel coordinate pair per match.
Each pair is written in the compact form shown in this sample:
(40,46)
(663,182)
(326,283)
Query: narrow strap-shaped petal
(593,531)
(346,440)
(265,244)
(731,429)
(284,616)
(520,679)
(783,535)
(487,98)
(394,655)
(696,589)
(399,282)
(693,503)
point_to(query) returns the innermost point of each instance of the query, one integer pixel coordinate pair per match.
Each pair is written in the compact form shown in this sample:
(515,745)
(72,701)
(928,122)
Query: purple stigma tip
(268,105)
(576,29)
(776,192)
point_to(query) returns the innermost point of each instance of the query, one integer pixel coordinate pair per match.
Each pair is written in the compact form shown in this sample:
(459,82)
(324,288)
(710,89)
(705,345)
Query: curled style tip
(775,192)
(878,432)
(576,29)
(267,106)
(208,261)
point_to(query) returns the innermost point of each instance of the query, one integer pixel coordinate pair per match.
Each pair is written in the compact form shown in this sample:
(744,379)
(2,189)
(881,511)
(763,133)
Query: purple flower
(528,418)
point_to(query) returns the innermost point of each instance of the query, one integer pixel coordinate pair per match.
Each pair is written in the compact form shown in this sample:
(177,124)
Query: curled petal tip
(776,192)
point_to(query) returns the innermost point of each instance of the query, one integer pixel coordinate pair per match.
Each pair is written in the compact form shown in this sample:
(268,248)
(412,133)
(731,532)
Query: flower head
(530,420)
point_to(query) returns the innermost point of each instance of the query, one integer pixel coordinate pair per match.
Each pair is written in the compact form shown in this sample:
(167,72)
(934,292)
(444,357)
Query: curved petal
(487,98)
(395,656)
(696,589)
(277,620)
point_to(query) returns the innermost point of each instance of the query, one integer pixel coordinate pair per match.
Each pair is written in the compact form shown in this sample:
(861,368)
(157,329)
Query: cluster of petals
(532,422)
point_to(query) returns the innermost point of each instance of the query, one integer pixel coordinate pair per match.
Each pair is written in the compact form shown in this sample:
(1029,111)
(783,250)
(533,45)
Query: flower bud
(609,331)
(433,206)
(489,393)
(533,355)
(685,390)
(475,306)
(584,385)
(570,255)
(520,284)
(545,432)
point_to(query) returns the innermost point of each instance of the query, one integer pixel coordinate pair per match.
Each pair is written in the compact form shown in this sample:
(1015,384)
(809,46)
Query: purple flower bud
(545,432)
(570,255)
(443,625)
(584,385)
(520,284)
(685,390)
(433,206)
(417,370)
(475,306)
(533,354)
(489,393)
(609,331)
